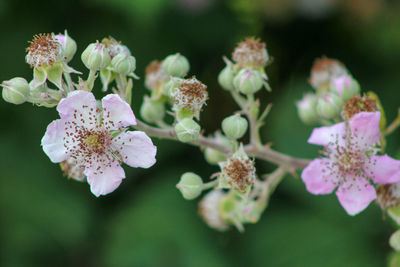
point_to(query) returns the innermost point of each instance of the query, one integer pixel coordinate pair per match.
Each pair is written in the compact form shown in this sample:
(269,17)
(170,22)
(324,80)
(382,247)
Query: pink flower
(351,162)
(96,140)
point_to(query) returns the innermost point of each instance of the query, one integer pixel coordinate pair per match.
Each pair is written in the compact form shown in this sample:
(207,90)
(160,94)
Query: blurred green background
(47,220)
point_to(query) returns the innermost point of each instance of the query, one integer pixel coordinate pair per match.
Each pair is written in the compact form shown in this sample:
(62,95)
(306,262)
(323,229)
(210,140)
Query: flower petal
(383,170)
(318,179)
(136,149)
(355,195)
(80,107)
(365,129)
(116,112)
(328,135)
(103,176)
(53,141)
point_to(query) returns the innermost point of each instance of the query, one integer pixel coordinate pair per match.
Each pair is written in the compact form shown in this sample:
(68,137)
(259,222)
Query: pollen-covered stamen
(43,50)
(388,195)
(348,159)
(191,94)
(115,47)
(155,75)
(358,104)
(251,52)
(240,173)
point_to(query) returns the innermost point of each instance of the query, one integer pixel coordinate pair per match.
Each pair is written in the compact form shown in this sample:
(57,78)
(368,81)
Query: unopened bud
(345,86)
(152,111)
(324,70)
(234,126)
(190,185)
(176,65)
(187,130)
(15,91)
(248,81)
(225,78)
(96,56)
(123,63)
(68,46)
(306,108)
(329,106)
(209,209)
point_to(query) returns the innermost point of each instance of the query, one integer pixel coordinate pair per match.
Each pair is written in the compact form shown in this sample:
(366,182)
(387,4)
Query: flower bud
(176,65)
(187,130)
(152,111)
(171,86)
(234,126)
(68,46)
(306,108)
(124,64)
(225,78)
(394,240)
(248,81)
(324,70)
(329,106)
(96,57)
(345,86)
(251,53)
(15,91)
(190,185)
(209,209)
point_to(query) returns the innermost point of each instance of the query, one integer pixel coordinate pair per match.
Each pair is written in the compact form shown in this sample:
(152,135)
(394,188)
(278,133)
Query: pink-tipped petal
(136,149)
(116,112)
(355,194)
(104,178)
(80,107)
(365,129)
(53,141)
(328,135)
(383,170)
(318,179)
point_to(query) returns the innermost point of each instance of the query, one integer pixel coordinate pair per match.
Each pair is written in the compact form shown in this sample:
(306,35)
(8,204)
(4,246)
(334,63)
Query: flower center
(92,140)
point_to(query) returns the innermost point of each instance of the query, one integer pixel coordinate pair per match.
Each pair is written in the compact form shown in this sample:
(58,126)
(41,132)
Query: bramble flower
(95,140)
(351,162)
(251,53)
(237,172)
(325,70)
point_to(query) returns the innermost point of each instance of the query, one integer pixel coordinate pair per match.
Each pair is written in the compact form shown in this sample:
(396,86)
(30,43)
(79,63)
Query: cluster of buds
(333,86)
(246,73)
(185,96)
(47,55)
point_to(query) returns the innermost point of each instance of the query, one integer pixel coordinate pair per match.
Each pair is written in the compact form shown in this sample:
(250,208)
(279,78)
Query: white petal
(53,141)
(116,112)
(136,149)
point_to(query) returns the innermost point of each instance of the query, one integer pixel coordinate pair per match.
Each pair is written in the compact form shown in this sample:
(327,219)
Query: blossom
(95,139)
(351,162)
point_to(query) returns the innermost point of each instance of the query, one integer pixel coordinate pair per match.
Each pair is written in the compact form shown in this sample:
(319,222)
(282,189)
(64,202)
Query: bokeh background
(48,220)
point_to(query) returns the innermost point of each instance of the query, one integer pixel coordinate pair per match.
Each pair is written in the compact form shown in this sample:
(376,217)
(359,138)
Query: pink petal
(103,176)
(365,129)
(355,194)
(116,112)
(383,170)
(80,107)
(318,179)
(328,135)
(53,141)
(136,149)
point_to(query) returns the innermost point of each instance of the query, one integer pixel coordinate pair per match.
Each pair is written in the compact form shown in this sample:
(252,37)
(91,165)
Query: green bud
(190,185)
(248,81)
(187,130)
(68,46)
(123,63)
(214,156)
(225,78)
(234,126)
(306,108)
(170,87)
(394,240)
(176,65)
(329,106)
(15,91)
(96,57)
(345,87)
(152,111)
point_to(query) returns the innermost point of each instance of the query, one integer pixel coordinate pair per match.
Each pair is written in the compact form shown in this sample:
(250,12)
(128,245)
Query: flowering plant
(92,138)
